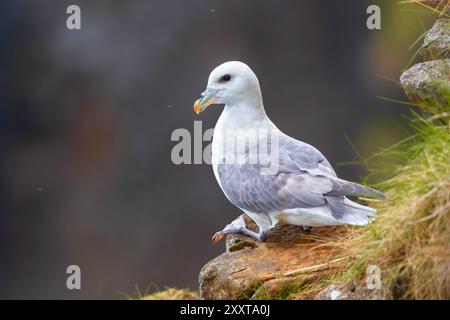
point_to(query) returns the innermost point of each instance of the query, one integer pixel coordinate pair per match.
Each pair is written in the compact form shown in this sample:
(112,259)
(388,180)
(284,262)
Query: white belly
(310,217)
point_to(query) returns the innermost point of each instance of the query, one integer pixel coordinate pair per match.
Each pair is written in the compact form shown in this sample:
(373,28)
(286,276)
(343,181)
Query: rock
(436,44)
(349,292)
(427,81)
(289,257)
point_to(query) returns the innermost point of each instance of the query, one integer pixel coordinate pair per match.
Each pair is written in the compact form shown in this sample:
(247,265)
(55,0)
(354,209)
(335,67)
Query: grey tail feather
(347,188)
(357,214)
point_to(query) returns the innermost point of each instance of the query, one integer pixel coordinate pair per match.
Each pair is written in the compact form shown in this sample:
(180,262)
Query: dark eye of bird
(226,77)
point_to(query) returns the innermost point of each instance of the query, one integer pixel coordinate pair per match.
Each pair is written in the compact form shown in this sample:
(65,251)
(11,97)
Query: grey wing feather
(248,189)
(305,179)
(337,206)
(309,159)
(347,188)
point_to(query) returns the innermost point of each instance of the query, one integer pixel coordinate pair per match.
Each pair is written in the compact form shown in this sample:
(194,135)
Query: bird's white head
(231,83)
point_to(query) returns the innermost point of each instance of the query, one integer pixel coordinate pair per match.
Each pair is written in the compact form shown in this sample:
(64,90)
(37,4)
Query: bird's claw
(238,226)
(217,237)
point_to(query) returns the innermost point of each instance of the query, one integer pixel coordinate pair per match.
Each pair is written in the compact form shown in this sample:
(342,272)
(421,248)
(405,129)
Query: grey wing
(250,190)
(309,159)
(305,157)
(304,179)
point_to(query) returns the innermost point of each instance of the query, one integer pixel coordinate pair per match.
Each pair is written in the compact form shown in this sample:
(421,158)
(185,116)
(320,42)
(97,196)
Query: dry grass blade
(439,6)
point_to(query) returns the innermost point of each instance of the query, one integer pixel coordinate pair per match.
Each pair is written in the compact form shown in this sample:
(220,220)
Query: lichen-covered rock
(436,44)
(290,257)
(427,81)
(349,292)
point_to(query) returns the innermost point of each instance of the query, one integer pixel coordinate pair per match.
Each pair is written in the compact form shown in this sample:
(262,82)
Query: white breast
(233,118)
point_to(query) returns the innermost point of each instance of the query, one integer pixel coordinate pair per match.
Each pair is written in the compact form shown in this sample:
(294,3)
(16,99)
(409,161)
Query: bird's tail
(346,188)
(356,214)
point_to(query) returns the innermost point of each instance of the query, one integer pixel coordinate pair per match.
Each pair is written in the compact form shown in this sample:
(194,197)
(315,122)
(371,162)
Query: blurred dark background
(86,117)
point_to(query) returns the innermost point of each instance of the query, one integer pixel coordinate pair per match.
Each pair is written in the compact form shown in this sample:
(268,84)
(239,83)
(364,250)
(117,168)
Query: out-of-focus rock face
(437,41)
(254,269)
(423,82)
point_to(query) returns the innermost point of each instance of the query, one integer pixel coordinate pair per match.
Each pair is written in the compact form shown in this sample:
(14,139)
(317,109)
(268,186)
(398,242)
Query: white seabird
(303,190)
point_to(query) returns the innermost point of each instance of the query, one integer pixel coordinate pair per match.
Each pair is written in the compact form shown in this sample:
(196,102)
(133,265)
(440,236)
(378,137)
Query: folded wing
(305,179)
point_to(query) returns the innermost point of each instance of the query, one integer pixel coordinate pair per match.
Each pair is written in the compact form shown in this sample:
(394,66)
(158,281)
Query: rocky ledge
(251,269)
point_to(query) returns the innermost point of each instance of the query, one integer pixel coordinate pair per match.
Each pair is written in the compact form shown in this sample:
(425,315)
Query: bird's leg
(238,226)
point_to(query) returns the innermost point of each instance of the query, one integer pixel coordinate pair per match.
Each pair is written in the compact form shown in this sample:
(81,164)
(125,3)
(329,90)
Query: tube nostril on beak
(203,94)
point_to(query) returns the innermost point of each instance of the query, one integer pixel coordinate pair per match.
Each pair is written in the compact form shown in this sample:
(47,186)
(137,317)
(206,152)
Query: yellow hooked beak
(206,98)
